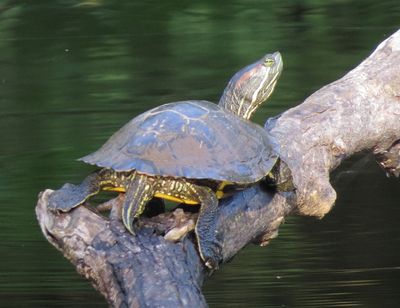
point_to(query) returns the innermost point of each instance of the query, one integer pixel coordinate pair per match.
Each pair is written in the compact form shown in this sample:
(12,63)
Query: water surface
(73,72)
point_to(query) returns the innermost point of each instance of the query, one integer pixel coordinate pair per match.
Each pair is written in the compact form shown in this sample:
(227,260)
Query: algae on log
(359,112)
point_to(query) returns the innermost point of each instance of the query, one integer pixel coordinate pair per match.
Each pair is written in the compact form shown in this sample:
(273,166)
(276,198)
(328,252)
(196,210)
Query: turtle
(194,152)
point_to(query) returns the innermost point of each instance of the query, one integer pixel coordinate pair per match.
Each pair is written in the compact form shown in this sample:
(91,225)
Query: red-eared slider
(189,151)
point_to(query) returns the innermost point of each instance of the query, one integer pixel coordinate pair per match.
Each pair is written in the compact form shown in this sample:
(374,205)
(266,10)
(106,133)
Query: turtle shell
(190,139)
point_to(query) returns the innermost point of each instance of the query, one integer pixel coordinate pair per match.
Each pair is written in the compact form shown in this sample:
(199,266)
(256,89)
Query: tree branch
(359,112)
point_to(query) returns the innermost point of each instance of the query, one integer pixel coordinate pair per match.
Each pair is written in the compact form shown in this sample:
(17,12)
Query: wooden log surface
(359,112)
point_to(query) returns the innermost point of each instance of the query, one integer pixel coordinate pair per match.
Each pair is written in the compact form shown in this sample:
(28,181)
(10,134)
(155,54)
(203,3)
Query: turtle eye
(269,62)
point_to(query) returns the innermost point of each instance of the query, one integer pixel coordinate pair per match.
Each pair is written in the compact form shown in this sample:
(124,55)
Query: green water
(72,72)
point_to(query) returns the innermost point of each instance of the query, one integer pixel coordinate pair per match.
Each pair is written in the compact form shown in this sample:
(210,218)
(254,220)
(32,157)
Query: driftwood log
(359,112)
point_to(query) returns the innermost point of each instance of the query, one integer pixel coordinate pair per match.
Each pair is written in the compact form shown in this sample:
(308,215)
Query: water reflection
(72,72)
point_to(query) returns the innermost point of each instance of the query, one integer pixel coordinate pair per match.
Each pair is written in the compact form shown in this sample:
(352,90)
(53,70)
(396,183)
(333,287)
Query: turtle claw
(131,228)
(65,199)
(212,264)
(210,252)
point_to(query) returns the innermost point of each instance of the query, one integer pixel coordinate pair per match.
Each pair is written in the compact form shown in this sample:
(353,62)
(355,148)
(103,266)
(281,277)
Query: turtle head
(252,85)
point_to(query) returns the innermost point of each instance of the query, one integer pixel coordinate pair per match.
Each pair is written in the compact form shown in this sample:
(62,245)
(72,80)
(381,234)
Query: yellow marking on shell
(220,190)
(222,185)
(175,199)
(219,194)
(117,189)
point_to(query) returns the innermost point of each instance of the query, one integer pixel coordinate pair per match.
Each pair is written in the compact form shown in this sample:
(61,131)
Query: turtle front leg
(70,195)
(140,191)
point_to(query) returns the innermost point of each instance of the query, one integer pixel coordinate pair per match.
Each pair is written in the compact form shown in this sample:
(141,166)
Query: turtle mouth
(278,58)
(278,65)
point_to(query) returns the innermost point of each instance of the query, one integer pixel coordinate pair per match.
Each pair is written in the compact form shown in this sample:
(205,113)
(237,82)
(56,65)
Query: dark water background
(72,72)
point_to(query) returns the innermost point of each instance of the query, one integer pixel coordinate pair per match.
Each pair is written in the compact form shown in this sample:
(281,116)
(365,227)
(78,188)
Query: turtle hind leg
(206,227)
(70,195)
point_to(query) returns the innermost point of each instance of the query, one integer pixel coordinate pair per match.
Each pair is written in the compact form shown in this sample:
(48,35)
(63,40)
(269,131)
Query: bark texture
(359,112)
